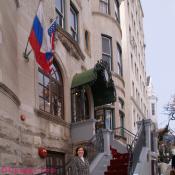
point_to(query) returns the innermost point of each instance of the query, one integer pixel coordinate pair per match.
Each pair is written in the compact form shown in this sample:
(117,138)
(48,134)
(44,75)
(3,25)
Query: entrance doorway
(55,163)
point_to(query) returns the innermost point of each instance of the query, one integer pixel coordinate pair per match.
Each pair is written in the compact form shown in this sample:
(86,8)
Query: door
(55,163)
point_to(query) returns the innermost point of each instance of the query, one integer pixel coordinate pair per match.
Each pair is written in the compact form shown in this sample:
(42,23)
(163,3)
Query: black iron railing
(94,146)
(136,147)
(127,135)
(67,169)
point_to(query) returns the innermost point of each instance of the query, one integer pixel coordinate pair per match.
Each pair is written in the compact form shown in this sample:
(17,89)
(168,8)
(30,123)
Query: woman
(81,164)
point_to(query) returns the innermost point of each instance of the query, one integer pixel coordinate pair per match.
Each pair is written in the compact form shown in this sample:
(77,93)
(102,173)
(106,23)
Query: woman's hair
(76,151)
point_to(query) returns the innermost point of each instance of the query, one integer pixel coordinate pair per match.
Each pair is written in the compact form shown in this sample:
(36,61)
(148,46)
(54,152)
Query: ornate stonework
(71,46)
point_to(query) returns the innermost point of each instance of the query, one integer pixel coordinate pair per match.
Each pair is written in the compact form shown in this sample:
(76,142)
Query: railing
(136,147)
(94,146)
(67,169)
(127,135)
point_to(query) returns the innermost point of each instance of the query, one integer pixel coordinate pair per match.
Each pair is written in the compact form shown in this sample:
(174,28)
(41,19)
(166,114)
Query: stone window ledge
(51,118)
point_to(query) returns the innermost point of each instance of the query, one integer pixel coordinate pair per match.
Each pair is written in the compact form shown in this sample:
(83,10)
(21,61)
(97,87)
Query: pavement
(165,168)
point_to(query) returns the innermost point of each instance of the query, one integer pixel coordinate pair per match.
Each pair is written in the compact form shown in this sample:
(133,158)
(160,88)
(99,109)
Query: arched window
(51,93)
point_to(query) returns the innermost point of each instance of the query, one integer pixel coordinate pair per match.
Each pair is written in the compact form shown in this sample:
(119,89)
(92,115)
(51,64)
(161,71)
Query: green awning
(103,89)
(84,78)
(103,95)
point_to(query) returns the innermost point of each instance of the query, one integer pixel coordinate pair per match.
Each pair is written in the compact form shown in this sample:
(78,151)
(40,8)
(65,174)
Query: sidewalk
(165,168)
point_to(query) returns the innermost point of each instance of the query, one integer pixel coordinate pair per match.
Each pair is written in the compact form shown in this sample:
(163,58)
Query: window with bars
(104,6)
(107,50)
(74,22)
(51,98)
(59,7)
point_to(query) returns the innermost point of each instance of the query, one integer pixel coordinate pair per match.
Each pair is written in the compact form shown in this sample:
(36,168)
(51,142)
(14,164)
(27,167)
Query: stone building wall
(20,140)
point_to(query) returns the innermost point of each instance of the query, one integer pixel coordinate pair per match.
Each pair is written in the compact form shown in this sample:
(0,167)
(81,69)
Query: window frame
(49,100)
(110,62)
(74,29)
(117,10)
(60,14)
(106,3)
(119,60)
(122,122)
(80,105)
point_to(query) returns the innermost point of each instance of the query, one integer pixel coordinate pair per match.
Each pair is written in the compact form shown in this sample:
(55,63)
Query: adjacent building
(152,101)
(133,47)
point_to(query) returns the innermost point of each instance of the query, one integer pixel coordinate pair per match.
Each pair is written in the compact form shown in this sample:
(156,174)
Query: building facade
(152,99)
(133,47)
(49,111)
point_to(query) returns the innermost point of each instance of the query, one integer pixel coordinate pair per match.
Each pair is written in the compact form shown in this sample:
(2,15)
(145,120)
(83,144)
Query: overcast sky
(159,27)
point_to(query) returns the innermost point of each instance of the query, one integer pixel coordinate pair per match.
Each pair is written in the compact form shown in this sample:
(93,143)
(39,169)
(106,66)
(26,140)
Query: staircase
(118,164)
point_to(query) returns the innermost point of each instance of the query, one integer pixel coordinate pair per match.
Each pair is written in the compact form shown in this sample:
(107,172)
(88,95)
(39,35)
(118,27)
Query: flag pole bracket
(26,56)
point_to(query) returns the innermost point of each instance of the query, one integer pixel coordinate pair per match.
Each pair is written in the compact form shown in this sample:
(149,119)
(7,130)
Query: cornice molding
(110,18)
(70,44)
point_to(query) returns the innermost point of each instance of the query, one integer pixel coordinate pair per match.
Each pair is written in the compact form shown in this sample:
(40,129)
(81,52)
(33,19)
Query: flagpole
(25,54)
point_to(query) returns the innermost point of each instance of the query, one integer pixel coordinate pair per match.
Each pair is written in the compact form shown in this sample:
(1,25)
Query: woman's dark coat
(80,167)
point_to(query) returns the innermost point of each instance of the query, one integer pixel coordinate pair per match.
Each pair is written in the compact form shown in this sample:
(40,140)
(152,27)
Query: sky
(159,29)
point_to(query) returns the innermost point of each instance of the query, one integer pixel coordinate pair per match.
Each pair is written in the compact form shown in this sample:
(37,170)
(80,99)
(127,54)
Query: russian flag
(39,41)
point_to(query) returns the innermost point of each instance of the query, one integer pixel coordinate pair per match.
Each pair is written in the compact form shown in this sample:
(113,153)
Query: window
(132,64)
(108,119)
(134,113)
(74,22)
(153,108)
(55,160)
(133,90)
(119,61)
(51,98)
(121,103)
(107,50)
(104,6)
(104,118)
(87,41)
(122,122)
(59,7)
(80,105)
(117,11)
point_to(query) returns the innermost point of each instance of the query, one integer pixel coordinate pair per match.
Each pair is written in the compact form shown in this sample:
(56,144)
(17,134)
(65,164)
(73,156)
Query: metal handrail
(123,132)
(94,146)
(68,168)
(136,147)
